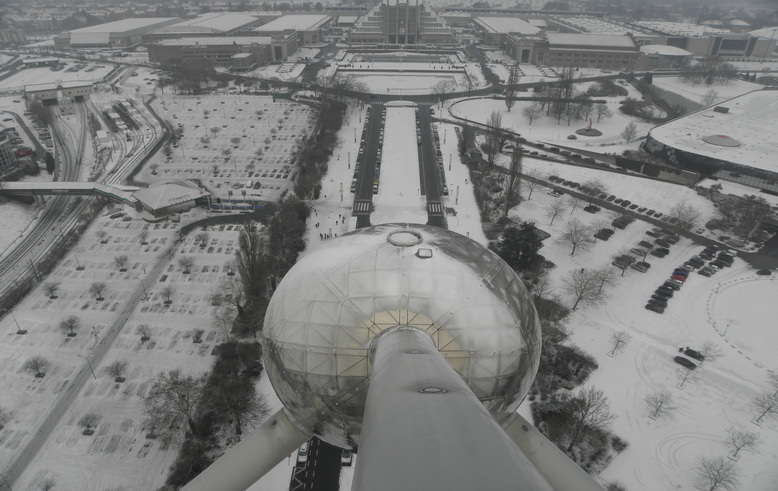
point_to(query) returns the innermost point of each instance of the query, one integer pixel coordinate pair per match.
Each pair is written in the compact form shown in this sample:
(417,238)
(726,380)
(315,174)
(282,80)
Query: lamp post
(18,328)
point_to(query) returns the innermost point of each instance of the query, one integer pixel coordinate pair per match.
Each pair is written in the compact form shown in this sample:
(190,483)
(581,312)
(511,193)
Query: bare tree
(510,89)
(605,275)
(554,208)
(577,234)
(167,292)
(117,369)
(172,397)
(5,417)
(589,410)
(619,339)
(197,335)
(716,473)
(738,440)
(48,484)
(602,111)
(493,136)
(121,261)
(686,375)
(235,140)
(70,325)
(709,98)
(143,235)
(765,405)
(772,377)
(252,262)
(202,238)
(97,289)
(659,403)
(593,188)
(581,285)
(629,131)
(102,234)
(514,179)
(685,214)
(237,397)
(145,332)
(51,288)
(186,263)
(224,315)
(710,350)
(530,184)
(532,113)
(440,89)
(88,422)
(37,365)
(573,202)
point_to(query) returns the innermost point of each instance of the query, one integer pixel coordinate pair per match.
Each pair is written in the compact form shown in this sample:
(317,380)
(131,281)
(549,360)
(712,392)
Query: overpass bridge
(117,193)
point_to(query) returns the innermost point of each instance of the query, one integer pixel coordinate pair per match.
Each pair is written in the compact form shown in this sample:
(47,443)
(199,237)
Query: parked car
(764,272)
(658,300)
(346,458)
(641,266)
(685,362)
(591,209)
(645,244)
(691,353)
(660,252)
(302,453)
(656,308)
(678,277)
(707,271)
(675,285)
(638,251)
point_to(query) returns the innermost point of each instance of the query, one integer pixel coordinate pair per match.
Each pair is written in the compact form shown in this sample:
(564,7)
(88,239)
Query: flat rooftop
(295,23)
(679,28)
(599,40)
(216,41)
(744,136)
(125,25)
(214,22)
(506,25)
(595,25)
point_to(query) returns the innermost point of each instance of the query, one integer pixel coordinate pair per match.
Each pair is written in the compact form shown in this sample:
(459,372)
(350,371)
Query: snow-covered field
(697,92)
(733,309)
(32,76)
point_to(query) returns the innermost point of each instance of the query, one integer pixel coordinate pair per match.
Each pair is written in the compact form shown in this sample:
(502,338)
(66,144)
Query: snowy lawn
(696,93)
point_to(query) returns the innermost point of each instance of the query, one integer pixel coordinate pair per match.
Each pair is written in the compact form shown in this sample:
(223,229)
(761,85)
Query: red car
(678,277)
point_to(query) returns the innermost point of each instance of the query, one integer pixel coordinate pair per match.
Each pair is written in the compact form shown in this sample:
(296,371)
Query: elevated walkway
(121,194)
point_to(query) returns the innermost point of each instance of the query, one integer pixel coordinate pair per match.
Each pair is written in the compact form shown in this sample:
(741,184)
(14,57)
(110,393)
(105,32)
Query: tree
(5,417)
(514,179)
(70,324)
(121,261)
(710,350)
(738,440)
(686,375)
(605,275)
(186,263)
(48,484)
(581,285)
(532,113)
(101,234)
(173,397)
(593,188)
(772,377)
(709,98)
(252,262)
(167,292)
(51,288)
(510,89)
(88,422)
(224,315)
(37,365)
(97,289)
(145,332)
(202,239)
(602,111)
(629,131)
(237,397)
(659,403)
(686,215)
(619,339)
(235,140)
(553,209)
(765,405)
(750,213)
(577,234)
(573,202)
(532,182)
(493,136)
(142,236)
(589,410)
(51,164)
(117,369)
(519,246)
(440,89)
(716,473)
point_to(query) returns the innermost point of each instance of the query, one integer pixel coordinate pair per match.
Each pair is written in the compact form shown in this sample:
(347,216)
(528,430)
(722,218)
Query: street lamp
(78,263)
(19,329)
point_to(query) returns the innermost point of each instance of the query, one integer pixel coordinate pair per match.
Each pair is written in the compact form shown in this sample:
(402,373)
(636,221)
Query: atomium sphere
(335,301)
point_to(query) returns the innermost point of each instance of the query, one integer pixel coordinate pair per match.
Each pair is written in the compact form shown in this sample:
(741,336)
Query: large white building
(118,34)
(310,29)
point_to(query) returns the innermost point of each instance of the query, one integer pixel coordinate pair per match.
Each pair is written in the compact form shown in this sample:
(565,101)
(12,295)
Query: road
(321,471)
(363,198)
(430,170)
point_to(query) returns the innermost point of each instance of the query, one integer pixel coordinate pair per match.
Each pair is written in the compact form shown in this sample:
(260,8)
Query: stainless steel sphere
(337,299)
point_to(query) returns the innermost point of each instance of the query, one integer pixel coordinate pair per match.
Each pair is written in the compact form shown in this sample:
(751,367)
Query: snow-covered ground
(696,93)
(42,75)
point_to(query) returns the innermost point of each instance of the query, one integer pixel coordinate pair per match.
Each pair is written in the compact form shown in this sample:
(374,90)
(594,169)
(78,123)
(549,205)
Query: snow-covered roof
(124,25)
(766,33)
(680,28)
(580,40)
(214,22)
(90,38)
(750,122)
(347,19)
(168,194)
(216,40)
(595,25)
(506,25)
(295,23)
(661,49)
